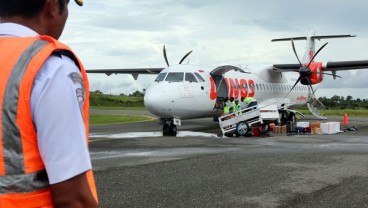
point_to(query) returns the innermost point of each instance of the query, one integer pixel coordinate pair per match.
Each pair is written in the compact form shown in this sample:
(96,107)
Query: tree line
(340,102)
(136,98)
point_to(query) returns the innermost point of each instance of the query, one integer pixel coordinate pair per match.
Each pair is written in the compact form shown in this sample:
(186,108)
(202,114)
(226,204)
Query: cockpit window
(160,77)
(175,77)
(190,77)
(200,78)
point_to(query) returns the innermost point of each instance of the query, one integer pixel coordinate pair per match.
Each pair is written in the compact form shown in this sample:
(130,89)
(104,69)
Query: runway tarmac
(135,166)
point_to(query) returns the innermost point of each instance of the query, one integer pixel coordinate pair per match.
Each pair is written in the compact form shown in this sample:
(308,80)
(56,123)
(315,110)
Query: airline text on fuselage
(236,88)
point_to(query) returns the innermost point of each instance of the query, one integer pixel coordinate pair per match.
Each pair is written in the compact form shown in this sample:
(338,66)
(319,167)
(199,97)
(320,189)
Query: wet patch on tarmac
(129,135)
(168,152)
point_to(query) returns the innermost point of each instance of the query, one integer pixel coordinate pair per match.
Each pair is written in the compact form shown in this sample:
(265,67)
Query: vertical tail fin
(310,47)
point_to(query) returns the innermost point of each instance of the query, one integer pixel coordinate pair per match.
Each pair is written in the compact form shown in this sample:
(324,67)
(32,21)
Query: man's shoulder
(13,29)
(58,64)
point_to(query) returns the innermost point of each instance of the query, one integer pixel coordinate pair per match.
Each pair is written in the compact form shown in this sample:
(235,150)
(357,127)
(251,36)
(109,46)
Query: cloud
(131,33)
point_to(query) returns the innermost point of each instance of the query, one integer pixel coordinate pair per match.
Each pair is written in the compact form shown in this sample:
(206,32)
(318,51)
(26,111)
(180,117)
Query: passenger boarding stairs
(315,107)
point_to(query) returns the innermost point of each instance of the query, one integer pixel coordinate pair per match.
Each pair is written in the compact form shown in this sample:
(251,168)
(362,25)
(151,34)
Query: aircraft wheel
(166,130)
(292,117)
(283,117)
(242,129)
(173,130)
(292,120)
(264,128)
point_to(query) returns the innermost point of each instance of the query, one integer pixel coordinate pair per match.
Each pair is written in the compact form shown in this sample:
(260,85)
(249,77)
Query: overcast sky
(131,33)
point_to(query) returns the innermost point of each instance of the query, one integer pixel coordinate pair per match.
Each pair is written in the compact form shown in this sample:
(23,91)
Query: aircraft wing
(345,65)
(329,66)
(133,71)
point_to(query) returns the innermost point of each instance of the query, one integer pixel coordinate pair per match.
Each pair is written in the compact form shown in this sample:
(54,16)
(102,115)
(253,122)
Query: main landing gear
(287,117)
(169,127)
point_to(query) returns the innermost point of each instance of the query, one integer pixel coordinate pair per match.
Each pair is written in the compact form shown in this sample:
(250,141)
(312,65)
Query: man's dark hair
(24,8)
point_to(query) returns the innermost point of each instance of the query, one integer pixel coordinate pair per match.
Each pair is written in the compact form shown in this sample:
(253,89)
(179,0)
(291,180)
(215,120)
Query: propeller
(304,70)
(167,62)
(181,61)
(186,55)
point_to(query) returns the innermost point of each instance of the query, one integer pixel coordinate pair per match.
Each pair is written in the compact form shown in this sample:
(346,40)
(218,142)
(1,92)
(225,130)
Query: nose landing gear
(169,127)
(169,130)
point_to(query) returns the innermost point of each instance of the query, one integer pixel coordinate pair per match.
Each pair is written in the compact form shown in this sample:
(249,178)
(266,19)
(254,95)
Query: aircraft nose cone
(156,102)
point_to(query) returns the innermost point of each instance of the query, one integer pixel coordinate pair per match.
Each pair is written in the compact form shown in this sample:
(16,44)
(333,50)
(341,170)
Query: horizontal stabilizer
(318,37)
(345,65)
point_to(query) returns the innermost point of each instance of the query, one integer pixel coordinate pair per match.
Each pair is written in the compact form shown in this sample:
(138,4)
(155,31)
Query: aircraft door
(221,87)
(222,93)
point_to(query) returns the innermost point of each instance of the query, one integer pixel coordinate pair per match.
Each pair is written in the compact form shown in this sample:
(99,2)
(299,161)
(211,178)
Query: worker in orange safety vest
(44,104)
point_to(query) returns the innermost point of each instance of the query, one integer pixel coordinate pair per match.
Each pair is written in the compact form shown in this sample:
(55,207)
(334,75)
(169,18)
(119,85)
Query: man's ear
(51,9)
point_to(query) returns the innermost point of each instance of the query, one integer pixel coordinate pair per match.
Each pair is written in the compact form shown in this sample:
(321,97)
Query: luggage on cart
(240,123)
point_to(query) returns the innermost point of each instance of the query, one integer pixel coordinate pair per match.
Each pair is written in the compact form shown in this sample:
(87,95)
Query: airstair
(315,107)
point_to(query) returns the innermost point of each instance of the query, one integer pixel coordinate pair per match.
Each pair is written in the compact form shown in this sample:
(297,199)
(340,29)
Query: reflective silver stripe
(23,183)
(11,139)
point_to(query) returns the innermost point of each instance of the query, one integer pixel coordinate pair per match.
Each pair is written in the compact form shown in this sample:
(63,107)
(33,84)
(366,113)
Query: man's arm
(61,133)
(74,192)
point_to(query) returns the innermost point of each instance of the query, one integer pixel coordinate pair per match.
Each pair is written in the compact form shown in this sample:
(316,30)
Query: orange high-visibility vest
(23,178)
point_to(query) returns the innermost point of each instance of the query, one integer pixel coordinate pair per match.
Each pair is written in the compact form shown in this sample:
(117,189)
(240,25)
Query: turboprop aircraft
(186,91)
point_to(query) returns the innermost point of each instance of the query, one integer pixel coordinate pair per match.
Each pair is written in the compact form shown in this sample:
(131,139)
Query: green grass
(117,102)
(338,112)
(138,108)
(98,119)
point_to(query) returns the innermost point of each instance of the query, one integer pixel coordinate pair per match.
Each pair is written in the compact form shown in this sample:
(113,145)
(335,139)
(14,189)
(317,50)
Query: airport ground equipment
(240,123)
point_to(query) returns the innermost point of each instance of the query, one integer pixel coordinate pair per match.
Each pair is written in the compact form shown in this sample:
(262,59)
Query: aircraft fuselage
(189,91)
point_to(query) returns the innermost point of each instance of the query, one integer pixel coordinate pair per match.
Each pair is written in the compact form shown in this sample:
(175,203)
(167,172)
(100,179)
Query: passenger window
(175,77)
(190,77)
(160,77)
(200,78)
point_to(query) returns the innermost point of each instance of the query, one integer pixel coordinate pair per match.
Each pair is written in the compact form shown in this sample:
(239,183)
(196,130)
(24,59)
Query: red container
(256,132)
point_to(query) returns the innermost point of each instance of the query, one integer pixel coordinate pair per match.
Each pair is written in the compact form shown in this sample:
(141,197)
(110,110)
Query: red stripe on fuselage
(236,88)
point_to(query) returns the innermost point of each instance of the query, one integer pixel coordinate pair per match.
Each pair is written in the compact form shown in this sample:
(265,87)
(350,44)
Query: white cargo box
(330,128)
(302,124)
(336,126)
(269,113)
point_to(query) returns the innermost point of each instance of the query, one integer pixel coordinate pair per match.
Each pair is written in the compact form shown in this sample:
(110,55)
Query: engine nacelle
(316,75)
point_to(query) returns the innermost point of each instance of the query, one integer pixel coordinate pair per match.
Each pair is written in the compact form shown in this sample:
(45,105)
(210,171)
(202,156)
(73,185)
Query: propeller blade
(292,43)
(167,62)
(334,75)
(317,53)
(293,87)
(186,55)
(310,85)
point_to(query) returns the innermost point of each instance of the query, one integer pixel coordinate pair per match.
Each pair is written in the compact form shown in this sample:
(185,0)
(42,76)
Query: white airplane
(187,91)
